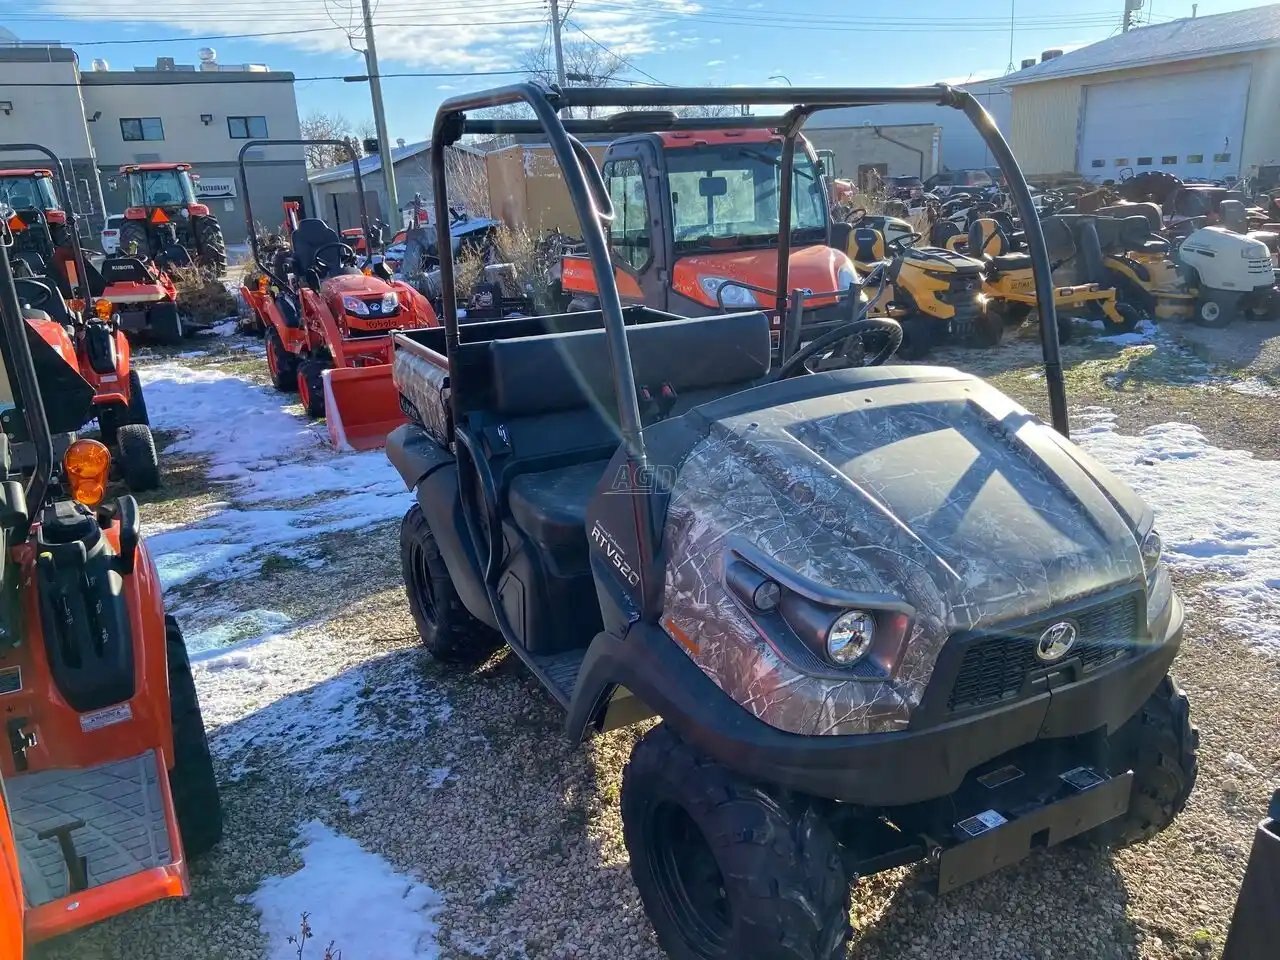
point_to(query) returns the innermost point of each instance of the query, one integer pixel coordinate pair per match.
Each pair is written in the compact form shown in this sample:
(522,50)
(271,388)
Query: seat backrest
(868,245)
(125,270)
(1234,215)
(310,238)
(44,292)
(564,371)
(987,239)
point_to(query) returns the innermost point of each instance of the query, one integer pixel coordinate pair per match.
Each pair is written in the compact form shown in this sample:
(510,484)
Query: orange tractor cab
(695,230)
(108,785)
(39,219)
(329,324)
(89,335)
(163,206)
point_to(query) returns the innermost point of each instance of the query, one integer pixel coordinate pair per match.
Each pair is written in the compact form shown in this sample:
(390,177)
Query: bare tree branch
(318,125)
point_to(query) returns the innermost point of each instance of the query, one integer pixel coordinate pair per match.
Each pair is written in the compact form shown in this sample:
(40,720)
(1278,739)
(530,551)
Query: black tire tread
(790,894)
(137,402)
(1159,743)
(313,401)
(286,380)
(211,246)
(454,635)
(139,462)
(134,231)
(196,800)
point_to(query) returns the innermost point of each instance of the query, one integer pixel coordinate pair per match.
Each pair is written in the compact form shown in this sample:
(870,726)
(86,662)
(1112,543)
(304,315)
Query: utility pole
(1129,7)
(391,209)
(556,41)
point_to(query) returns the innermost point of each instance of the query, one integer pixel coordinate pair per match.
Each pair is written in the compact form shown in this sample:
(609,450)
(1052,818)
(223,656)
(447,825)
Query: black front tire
(725,868)
(447,628)
(918,334)
(1159,745)
(988,330)
(281,364)
(196,800)
(1130,317)
(311,387)
(139,462)
(1217,310)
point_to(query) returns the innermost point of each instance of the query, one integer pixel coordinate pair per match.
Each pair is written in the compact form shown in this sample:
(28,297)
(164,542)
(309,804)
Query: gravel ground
(461,776)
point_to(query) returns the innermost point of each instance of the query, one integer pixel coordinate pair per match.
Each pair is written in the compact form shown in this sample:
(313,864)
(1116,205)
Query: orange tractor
(696,229)
(39,218)
(87,333)
(162,197)
(108,785)
(329,324)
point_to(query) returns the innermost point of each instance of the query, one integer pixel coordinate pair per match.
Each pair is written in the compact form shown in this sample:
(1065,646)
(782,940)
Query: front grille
(995,667)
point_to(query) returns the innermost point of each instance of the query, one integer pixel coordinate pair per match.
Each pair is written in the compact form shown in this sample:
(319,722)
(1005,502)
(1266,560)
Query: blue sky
(714,42)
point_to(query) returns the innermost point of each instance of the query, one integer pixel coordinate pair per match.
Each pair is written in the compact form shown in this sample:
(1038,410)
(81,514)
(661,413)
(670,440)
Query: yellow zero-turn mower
(933,293)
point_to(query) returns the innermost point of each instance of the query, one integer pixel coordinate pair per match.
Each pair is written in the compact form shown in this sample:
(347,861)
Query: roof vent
(1050,55)
(101,66)
(1029,62)
(165,63)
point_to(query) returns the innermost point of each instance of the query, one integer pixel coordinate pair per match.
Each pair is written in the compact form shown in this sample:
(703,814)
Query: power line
(613,53)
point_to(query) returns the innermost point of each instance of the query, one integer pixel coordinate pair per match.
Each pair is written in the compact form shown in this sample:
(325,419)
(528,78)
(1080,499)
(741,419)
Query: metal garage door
(1190,124)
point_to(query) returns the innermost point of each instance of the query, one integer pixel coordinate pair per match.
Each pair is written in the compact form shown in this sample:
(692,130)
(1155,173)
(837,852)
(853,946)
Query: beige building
(1196,97)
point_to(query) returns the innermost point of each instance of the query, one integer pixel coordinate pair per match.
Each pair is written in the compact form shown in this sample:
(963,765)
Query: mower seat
(988,240)
(126,270)
(551,506)
(312,237)
(1135,232)
(868,245)
(32,290)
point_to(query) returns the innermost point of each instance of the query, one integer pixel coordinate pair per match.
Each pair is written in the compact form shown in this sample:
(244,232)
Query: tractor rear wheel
(134,232)
(139,463)
(281,364)
(211,247)
(196,801)
(311,386)
(446,626)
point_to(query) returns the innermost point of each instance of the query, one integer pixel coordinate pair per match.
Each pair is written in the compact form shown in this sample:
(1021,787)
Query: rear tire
(988,330)
(139,463)
(311,387)
(134,232)
(281,364)
(196,801)
(446,626)
(1158,744)
(725,868)
(211,247)
(1130,317)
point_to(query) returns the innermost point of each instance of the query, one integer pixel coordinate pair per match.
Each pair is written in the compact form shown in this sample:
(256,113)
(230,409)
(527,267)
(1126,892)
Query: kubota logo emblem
(1057,641)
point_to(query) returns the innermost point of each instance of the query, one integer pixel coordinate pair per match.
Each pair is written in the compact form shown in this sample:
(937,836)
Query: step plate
(124,832)
(561,671)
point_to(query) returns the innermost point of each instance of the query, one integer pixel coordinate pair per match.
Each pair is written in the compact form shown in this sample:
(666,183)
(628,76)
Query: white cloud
(480,35)
(715,63)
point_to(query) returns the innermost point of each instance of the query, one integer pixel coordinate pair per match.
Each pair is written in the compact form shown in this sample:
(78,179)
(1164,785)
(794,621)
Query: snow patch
(353,899)
(233,629)
(1216,510)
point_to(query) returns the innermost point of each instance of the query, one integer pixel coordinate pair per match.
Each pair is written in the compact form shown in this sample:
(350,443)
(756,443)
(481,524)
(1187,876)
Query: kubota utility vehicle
(163,193)
(697,225)
(89,335)
(884,613)
(329,324)
(108,786)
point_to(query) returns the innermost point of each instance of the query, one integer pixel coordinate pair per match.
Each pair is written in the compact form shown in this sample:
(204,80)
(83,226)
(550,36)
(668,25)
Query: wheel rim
(689,881)
(1210,312)
(421,573)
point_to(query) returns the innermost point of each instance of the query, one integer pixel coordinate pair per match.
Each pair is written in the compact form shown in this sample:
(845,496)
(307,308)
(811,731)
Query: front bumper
(884,769)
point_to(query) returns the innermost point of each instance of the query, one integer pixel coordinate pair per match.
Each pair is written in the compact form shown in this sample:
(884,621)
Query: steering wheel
(345,249)
(846,345)
(856,216)
(44,293)
(899,245)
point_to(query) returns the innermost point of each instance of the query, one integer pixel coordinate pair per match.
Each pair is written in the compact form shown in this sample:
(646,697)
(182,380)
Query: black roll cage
(594,209)
(281,282)
(60,185)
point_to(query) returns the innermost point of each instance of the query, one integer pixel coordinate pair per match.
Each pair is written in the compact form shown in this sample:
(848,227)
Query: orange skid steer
(329,324)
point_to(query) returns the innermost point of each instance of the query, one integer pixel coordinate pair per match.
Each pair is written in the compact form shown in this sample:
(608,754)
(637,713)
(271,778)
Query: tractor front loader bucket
(361,406)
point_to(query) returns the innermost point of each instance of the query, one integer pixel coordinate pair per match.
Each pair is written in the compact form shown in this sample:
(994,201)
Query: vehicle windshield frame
(143,183)
(45,190)
(619,111)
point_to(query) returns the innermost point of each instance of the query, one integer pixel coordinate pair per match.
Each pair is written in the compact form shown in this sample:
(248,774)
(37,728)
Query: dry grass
(204,300)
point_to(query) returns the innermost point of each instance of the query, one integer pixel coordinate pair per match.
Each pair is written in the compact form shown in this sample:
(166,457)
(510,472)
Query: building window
(246,128)
(1121,161)
(141,128)
(1222,158)
(1098,163)
(1169,158)
(1144,161)
(1195,158)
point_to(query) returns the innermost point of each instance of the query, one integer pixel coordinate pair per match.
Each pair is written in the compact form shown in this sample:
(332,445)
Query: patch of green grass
(275,563)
